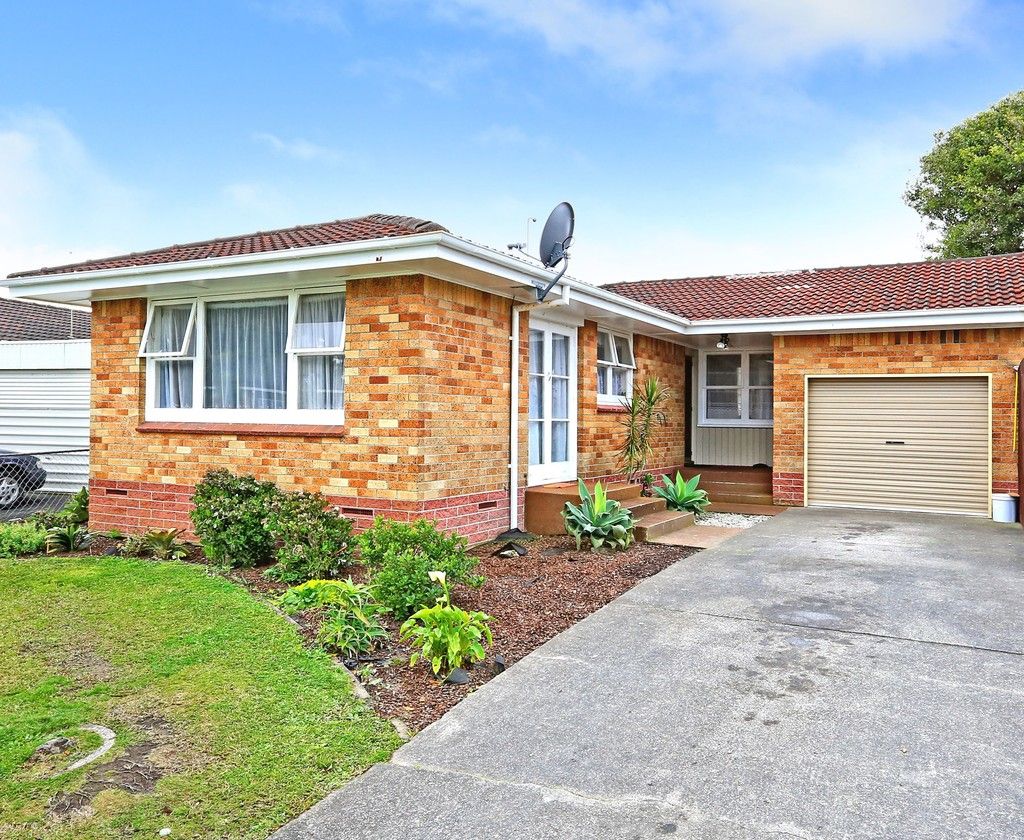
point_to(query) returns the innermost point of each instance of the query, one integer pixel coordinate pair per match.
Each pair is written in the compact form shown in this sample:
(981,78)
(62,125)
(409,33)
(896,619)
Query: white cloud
(300,149)
(662,36)
(57,204)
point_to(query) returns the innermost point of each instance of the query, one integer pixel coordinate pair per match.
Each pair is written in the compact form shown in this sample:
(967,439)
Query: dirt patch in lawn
(531,599)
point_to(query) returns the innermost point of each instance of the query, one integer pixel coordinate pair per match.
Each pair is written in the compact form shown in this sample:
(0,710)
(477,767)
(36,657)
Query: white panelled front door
(552,415)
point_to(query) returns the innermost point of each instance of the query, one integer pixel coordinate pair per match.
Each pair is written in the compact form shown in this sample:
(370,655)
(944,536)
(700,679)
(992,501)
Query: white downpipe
(513,408)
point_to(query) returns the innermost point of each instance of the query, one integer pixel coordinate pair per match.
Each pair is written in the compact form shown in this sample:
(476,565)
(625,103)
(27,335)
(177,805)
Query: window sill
(608,408)
(245,429)
(703,424)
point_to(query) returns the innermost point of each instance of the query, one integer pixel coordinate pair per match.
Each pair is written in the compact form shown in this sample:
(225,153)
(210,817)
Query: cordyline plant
(643,415)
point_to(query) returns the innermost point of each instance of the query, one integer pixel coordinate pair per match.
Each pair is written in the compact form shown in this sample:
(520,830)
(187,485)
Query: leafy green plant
(70,537)
(602,521)
(18,539)
(76,509)
(321,593)
(445,635)
(681,494)
(399,556)
(230,518)
(643,416)
(165,545)
(313,539)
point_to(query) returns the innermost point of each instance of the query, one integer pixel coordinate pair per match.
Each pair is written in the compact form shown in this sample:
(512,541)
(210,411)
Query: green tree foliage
(971,187)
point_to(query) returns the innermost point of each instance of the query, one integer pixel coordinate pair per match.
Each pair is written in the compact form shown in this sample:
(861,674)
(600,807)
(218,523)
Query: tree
(971,187)
(643,413)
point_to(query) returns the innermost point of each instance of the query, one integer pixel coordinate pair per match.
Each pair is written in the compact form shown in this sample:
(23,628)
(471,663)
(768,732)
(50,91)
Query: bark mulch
(529,598)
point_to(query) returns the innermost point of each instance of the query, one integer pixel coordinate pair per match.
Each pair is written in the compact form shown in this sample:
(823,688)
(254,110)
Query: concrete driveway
(830,673)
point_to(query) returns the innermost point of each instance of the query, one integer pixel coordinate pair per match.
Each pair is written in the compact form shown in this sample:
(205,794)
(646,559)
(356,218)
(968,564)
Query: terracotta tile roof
(375,226)
(22,320)
(937,284)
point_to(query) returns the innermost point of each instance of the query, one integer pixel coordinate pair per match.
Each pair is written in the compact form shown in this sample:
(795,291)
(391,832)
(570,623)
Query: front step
(657,524)
(643,506)
(740,498)
(543,513)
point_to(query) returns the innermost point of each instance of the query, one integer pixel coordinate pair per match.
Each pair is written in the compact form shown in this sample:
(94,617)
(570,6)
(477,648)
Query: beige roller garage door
(899,443)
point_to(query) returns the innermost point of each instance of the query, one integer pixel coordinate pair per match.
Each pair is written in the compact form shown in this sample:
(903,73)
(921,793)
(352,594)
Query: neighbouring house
(44,389)
(404,371)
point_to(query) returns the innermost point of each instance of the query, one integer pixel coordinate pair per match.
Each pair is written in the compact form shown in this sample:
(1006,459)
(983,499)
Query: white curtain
(322,382)
(246,364)
(320,322)
(174,383)
(167,332)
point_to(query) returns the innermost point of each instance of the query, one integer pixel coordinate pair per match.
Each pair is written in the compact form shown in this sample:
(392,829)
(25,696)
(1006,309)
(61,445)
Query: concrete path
(825,674)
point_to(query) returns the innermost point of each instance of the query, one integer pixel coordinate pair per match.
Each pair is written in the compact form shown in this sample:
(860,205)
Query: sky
(708,136)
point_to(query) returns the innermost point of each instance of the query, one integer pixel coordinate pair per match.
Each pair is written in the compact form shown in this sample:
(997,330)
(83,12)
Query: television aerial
(554,243)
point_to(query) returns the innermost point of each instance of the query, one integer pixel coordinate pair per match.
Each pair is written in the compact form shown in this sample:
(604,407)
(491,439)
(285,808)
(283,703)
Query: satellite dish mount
(555,242)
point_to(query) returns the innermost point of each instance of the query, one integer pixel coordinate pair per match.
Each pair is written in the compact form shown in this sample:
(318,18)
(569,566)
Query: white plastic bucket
(1004,507)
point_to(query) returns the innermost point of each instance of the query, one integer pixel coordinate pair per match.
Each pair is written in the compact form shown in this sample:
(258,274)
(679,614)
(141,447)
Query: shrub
(321,593)
(20,538)
(446,635)
(165,545)
(230,518)
(682,494)
(314,540)
(643,414)
(599,519)
(399,556)
(75,511)
(70,537)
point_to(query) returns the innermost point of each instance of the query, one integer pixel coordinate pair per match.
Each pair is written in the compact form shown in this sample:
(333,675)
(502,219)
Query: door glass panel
(535,442)
(536,351)
(560,355)
(560,399)
(723,403)
(560,440)
(536,398)
(723,369)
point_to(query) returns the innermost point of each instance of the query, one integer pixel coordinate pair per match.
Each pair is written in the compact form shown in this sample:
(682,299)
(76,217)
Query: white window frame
(605,369)
(744,387)
(291,414)
(176,354)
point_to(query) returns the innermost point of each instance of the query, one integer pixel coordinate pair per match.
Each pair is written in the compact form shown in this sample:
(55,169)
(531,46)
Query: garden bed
(531,599)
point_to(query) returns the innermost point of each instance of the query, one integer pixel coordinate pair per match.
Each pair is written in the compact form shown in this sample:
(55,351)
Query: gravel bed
(730,520)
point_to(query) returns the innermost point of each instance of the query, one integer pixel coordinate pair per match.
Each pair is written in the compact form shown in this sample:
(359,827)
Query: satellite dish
(555,241)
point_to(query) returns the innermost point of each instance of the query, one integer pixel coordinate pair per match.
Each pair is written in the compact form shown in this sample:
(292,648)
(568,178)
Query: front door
(552,417)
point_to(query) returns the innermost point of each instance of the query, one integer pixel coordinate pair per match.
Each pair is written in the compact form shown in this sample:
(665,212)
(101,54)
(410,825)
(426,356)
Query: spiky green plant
(681,494)
(602,521)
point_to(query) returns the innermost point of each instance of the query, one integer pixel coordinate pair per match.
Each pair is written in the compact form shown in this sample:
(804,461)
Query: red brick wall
(936,351)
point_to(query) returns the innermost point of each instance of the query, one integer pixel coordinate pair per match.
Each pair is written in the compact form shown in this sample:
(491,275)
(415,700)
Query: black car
(19,474)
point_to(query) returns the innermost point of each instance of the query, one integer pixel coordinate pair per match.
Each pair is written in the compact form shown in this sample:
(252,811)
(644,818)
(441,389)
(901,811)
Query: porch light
(723,342)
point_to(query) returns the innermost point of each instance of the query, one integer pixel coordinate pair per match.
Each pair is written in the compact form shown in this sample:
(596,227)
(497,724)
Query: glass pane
(602,380)
(167,331)
(560,398)
(536,351)
(604,347)
(322,382)
(536,398)
(535,447)
(724,369)
(319,321)
(723,403)
(559,441)
(623,351)
(174,383)
(620,382)
(761,368)
(560,355)
(246,365)
(760,403)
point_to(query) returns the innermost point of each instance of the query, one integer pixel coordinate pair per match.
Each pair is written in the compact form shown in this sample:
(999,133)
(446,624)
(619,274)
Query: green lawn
(251,728)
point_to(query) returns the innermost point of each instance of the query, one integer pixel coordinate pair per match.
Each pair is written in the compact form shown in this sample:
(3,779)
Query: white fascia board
(978,316)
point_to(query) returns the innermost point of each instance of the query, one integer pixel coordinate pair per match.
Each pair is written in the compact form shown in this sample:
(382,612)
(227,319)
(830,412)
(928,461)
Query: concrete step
(643,506)
(753,510)
(663,522)
(740,498)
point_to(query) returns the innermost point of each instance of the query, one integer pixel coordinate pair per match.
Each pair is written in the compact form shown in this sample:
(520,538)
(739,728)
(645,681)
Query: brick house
(404,371)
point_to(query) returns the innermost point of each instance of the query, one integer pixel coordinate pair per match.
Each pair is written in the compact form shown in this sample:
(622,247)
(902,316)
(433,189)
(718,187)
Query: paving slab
(698,536)
(713,701)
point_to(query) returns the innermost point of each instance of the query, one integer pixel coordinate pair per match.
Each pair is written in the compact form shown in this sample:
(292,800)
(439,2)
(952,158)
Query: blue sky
(702,136)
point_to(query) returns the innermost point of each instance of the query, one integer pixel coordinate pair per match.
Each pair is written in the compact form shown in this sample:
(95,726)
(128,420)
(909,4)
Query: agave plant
(70,537)
(165,545)
(682,494)
(599,519)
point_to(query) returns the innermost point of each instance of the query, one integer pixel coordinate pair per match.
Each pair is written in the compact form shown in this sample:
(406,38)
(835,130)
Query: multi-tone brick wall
(600,427)
(427,390)
(937,351)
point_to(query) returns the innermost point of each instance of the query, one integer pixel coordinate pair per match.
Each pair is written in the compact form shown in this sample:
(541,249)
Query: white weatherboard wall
(44,407)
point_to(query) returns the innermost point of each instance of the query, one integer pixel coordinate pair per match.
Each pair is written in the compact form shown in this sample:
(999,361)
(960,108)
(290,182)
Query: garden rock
(458,676)
(499,663)
(55,746)
(511,549)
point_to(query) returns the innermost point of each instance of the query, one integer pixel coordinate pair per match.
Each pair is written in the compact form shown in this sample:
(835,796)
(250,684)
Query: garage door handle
(895,443)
